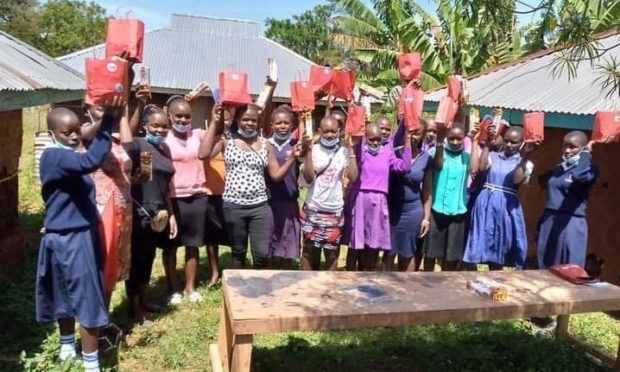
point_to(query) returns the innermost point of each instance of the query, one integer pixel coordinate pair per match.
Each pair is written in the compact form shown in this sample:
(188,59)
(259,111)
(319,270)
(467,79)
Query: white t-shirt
(325,192)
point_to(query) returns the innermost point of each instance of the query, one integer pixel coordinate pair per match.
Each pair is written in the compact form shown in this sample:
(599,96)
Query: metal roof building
(528,83)
(29,77)
(194,49)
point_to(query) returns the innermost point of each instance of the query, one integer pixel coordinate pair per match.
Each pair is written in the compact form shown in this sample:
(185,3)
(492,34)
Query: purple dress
(497,233)
(283,196)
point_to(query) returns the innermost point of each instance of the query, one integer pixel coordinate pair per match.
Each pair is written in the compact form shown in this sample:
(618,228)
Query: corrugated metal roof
(195,49)
(528,83)
(24,68)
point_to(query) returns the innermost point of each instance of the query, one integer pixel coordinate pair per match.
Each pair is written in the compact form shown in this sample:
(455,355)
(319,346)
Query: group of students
(122,184)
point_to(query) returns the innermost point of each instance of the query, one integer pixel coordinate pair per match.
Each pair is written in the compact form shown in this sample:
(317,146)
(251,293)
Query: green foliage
(57,27)
(307,34)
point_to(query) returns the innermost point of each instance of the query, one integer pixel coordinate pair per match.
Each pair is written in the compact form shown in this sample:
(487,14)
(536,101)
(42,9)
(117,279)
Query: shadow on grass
(493,346)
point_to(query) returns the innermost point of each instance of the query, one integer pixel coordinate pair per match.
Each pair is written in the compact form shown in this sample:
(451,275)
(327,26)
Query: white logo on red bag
(119,88)
(617,118)
(111,67)
(409,100)
(235,77)
(326,71)
(304,84)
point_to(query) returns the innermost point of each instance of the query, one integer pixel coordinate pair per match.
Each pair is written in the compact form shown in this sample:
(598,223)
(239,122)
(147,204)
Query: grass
(179,339)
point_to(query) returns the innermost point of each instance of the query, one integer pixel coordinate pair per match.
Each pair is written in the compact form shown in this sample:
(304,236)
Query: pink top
(189,176)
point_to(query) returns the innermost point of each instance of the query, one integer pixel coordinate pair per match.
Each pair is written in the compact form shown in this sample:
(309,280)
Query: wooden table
(258,302)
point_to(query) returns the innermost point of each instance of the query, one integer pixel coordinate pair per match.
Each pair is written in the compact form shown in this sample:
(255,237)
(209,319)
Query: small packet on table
(488,288)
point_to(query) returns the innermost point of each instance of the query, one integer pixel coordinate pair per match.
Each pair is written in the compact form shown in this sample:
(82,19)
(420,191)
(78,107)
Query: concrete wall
(603,212)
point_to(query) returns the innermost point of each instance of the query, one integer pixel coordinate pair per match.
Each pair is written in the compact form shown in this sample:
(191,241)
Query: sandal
(194,297)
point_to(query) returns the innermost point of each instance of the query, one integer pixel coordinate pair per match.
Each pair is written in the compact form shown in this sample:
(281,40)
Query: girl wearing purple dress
(367,225)
(497,234)
(286,236)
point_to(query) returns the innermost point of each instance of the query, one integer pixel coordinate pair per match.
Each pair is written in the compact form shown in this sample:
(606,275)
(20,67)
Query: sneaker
(175,299)
(194,297)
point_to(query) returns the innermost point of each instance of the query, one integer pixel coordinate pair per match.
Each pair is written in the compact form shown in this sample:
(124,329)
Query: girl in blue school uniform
(69,281)
(497,232)
(563,230)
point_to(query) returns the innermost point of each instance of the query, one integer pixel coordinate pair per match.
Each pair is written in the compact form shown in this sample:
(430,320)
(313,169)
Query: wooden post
(242,353)
(225,337)
(562,328)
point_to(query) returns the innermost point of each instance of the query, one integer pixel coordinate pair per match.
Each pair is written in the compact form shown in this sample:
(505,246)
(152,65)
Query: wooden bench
(259,302)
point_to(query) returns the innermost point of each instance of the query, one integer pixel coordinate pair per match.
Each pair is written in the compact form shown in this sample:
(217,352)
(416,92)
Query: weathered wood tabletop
(258,302)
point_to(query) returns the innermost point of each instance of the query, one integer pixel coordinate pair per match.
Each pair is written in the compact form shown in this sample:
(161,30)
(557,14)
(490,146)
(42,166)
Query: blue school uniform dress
(563,230)
(497,233)
(69,282)
(406,209)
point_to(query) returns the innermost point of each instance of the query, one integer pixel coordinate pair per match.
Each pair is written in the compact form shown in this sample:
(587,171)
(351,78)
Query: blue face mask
(329,144)
(246,135)
(384,141)
(373,150)
(62,145)
(181,128)
(154,139)
(281,137)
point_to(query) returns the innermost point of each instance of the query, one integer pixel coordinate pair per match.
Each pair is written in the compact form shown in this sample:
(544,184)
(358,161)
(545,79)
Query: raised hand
(528,148)
(115,107)
(143,94)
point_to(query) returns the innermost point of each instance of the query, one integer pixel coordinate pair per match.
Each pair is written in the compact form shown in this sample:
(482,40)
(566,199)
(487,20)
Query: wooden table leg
(562,328)
(242,353)
(617,365)
(225,338)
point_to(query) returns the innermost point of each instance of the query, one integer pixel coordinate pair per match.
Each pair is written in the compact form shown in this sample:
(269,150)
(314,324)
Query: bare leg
(90,339)
(419,254)
(214,263)
(353,258)
(309,258)
(192,260)
(388,262)
(331,259)
(406,264)
(169,260)
(286,263)
(495,267)
(66,326)
(449,265)
(370,263)
(429,264)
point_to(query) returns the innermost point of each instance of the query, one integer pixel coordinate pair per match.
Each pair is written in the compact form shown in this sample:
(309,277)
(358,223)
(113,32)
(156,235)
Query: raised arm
(212,138)
(585,171)
(402,165)
(522,173)
(438,157)
(399,135)
(142,96)
(354,150)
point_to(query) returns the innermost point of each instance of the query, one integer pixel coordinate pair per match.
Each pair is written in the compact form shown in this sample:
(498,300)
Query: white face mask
(62,145)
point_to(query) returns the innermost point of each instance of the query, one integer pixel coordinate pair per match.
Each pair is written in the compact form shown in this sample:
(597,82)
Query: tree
(307,34)
(66,26)
(464,37)
(18,18)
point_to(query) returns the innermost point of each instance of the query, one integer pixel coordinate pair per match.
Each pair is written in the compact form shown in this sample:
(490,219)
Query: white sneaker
(194,297)
(175,299)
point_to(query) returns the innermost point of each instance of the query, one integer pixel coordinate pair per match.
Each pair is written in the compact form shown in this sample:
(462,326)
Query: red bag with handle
(356,120)
(234,88)
(454,88)
(320,77)
(342,84)
(606,124)
(106,79)
(485,123)
(573,273)
(412,101)
(302,96)
(125,34)
(446,111)
(534,126)
(409,66)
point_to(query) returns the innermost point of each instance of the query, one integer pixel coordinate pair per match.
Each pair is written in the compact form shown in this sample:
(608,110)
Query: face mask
(281,137)
(568,161)
(181,128)
(329,144)
(247,135)
(154,139)
(384,141)
(373,150)
(59,145)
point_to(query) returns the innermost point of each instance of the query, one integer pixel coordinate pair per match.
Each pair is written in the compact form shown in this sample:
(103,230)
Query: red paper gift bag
(106,79)
(454,88)
(320,77)
(485,123)
(234,88)
(124,34)
(606,124)
(534,126)
(302,96)
(573,273)
(412,101)
(356,120)
(446,111)
(409,66)
(342,84)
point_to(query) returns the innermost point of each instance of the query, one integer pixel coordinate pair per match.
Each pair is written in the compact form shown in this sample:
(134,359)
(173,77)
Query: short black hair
(58,114)
(579,135)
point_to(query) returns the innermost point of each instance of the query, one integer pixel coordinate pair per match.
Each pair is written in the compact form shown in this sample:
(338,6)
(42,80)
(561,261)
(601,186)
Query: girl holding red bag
(248,159)
(188,193)
(367,226)
(497,234)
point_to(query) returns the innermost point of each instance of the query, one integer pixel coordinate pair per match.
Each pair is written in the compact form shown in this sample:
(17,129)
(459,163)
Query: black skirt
(191,216)
(216,227)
